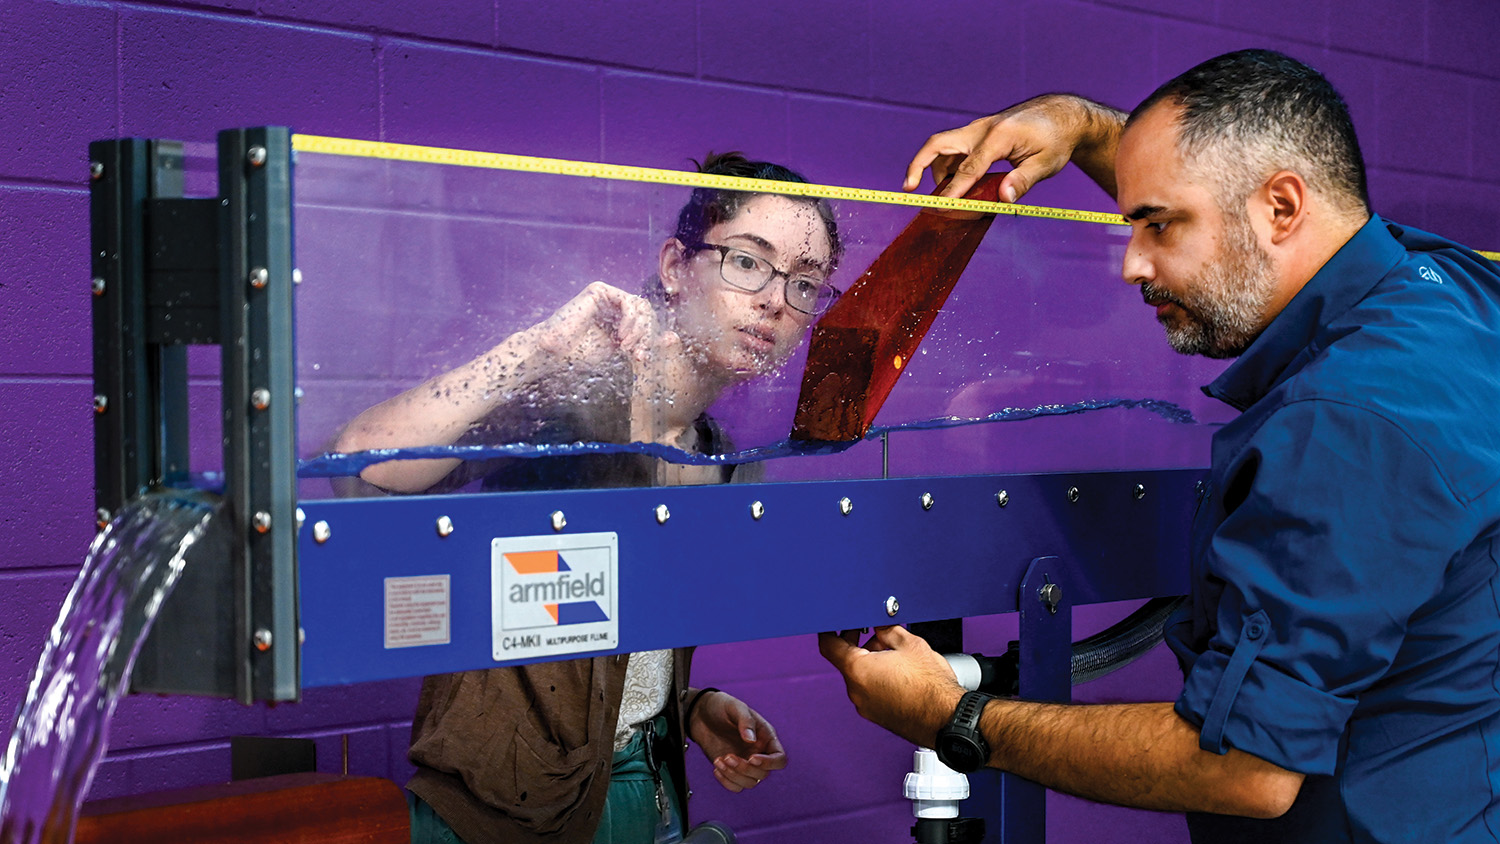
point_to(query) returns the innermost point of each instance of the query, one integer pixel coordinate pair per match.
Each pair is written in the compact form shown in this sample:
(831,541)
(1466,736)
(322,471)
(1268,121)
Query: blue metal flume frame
(803,567)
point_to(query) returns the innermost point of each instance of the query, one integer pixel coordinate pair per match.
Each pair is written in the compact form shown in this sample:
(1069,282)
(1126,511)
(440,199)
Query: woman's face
(737,333)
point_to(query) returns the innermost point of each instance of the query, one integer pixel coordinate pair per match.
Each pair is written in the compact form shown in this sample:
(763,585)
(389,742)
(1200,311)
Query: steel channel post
(260,455)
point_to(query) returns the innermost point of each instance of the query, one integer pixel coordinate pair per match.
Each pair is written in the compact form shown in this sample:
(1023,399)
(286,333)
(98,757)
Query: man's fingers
(836,648)
(943,152)
(1028,171)
(889,638)
(930,153)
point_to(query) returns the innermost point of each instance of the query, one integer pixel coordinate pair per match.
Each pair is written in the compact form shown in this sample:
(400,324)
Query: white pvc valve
(933,788)
(965,670)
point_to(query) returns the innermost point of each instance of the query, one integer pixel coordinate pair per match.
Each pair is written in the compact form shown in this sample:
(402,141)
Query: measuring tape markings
(621,172)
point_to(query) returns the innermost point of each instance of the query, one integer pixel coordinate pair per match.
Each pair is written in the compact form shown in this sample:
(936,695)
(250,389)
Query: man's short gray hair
(1251,113)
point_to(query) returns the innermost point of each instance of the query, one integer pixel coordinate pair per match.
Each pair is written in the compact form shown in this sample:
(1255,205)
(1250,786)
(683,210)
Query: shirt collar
(1341,282)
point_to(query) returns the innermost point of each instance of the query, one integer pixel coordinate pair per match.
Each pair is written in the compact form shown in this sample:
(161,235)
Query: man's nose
(1137,268)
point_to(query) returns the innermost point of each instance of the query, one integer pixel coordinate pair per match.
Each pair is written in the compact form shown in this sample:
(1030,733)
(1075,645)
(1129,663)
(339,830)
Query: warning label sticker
(417,611)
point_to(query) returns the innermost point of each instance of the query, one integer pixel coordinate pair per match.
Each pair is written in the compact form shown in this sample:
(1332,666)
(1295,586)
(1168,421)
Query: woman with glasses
(592,749)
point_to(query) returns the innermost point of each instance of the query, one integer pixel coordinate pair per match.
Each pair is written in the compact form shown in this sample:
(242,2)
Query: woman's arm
(573,344)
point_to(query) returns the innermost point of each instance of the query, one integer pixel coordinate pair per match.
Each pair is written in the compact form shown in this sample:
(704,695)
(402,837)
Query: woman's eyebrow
(755,239)
(802,262)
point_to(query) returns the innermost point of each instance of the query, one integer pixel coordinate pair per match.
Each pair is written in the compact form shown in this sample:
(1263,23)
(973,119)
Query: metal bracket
(1015,806)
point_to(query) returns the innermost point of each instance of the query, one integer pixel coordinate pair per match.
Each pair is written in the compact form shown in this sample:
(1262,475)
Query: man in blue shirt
(1342,645)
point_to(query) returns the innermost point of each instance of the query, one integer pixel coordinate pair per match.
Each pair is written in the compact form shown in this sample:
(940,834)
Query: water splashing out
(60,731)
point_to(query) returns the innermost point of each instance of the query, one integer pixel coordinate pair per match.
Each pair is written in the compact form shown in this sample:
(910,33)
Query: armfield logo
(554,595)
(548,589)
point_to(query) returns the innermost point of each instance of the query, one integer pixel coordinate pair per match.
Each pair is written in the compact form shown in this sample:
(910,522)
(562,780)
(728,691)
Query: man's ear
(1283,200)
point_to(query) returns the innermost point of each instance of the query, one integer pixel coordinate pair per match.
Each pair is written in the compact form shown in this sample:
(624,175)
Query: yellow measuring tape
(589,169)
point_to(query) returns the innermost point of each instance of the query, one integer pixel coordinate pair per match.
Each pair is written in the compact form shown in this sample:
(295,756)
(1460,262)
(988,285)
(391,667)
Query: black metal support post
(260,443)
(169,272)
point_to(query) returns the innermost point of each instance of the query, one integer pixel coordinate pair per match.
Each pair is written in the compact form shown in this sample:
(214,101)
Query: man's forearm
(1140,754)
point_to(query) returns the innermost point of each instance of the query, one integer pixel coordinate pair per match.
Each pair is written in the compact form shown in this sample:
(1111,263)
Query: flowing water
(336,465)
(60,732)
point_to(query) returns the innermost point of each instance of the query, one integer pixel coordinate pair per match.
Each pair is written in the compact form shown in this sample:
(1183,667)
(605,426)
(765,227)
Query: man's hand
(1133,754)
(742,745)
(896,680)
(1038,137)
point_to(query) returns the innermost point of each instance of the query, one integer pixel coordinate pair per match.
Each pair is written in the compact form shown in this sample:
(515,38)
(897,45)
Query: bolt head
(256,155)
(892,606)
(97,285)
(263,640)
(846,506)
(1002,498)
(261,521)
(301,517)
(102,518)
(926,501)
(260,398)
(296,276)
(96,170)
(662,514)
(321,532)
(1051,595)
(444,526)
(259,278)
(757,510)
(1139,492)
(1073,494)
(559,521)
(101,403)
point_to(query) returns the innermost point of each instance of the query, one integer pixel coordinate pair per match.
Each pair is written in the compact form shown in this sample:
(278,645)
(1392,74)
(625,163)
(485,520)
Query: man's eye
(1157,227)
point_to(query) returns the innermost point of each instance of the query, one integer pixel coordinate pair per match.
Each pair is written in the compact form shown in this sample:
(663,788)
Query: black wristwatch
(960,745)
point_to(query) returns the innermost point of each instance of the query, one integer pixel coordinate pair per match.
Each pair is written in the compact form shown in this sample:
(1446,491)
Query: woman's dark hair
(708,207)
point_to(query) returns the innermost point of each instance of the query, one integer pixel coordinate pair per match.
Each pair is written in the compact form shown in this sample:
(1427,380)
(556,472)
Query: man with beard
(1342,644)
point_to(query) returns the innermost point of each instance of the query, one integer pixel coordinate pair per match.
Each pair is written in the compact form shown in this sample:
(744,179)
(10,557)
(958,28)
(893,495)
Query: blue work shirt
(1345,621)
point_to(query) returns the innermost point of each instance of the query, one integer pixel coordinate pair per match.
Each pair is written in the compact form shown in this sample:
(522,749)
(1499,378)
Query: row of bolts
(1050,594)
(258,278)
(322,532)
(260,398)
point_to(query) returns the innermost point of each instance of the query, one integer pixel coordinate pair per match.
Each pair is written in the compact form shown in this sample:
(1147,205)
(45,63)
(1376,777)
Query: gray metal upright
(169,272)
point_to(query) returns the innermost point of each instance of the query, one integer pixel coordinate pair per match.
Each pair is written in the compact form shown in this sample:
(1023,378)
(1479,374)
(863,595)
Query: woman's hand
(595,326)
(742,745)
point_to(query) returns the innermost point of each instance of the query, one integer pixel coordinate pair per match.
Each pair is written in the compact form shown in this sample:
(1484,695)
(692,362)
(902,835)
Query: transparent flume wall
(1042,359)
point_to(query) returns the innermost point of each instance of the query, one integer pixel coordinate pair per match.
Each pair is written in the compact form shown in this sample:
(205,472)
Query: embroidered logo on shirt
(1430,274)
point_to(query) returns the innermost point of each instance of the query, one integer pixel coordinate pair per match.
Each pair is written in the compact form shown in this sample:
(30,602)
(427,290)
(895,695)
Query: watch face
(959,753)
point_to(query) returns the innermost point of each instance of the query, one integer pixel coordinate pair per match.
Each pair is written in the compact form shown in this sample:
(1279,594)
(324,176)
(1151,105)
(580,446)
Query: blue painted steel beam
(712,573)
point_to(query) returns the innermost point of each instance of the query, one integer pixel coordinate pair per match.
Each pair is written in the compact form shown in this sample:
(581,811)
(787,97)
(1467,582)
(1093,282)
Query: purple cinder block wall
(843,91)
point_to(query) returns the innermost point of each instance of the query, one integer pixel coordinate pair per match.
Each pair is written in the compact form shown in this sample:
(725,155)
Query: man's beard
(1222,308)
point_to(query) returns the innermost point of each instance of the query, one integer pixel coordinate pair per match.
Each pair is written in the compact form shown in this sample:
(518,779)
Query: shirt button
(1255,630)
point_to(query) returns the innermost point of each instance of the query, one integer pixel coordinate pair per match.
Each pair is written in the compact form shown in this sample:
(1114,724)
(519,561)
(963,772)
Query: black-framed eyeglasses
(806,292)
